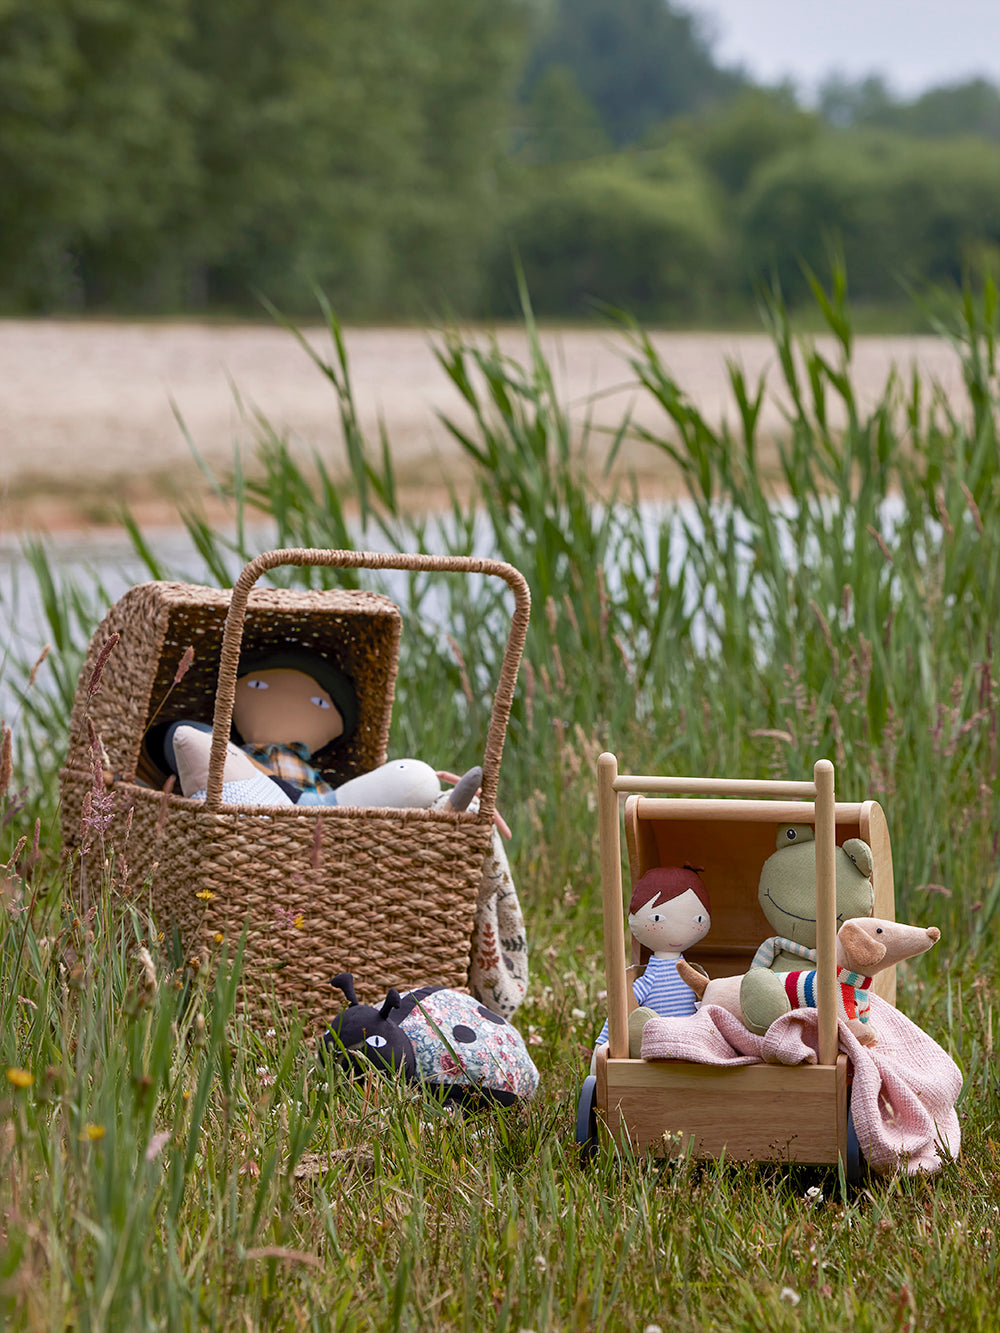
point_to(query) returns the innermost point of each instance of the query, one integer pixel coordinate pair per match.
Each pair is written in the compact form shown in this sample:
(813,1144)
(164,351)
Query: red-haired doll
(668,912)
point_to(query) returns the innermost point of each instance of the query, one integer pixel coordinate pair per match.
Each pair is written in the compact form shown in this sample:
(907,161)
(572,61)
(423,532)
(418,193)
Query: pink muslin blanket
(904,1090)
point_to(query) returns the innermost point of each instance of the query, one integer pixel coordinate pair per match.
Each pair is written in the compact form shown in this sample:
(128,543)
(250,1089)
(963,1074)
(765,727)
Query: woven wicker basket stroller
(756,1112)
(387,894)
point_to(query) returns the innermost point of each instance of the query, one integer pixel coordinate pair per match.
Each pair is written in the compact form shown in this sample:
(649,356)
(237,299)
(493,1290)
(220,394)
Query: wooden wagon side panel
(676,1106)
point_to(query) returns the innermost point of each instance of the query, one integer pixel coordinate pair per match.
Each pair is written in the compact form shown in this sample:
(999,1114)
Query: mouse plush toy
(442,1039)
(865,947)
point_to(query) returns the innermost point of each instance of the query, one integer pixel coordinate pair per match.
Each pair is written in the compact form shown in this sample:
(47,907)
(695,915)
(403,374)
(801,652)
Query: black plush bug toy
(440,1038)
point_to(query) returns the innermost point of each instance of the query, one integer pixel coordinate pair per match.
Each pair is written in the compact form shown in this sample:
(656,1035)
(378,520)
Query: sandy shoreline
(87,409)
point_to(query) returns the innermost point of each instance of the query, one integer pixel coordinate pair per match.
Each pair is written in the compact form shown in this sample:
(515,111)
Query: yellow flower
(299,921)
(219,937)
(20,1078)
(206,895)
(91,1133)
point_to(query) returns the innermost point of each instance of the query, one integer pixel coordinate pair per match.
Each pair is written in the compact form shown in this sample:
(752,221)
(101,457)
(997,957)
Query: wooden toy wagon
(387,894)
(728,829)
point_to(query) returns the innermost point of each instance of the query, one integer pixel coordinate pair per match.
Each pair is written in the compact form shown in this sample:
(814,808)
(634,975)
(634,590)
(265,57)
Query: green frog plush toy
(787,894)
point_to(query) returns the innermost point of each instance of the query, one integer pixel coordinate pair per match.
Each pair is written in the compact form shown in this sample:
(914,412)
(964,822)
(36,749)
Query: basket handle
(232,639)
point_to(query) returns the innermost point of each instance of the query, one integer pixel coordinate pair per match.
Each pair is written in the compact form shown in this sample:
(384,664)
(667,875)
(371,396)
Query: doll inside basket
(335,656)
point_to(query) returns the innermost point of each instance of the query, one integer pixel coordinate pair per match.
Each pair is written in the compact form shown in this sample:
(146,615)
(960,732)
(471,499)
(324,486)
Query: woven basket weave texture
(387,894)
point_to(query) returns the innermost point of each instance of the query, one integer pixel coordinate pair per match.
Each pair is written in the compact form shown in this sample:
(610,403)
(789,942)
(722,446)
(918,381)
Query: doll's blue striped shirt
(661,989)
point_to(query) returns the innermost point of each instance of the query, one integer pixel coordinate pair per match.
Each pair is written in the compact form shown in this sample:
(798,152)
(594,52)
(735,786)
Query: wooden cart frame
(729,828)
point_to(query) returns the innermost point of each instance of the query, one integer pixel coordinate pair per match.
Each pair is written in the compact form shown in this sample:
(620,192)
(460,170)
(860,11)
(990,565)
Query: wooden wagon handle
(232,640)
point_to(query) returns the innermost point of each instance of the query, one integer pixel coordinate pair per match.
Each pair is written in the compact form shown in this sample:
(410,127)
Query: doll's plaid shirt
(292,763)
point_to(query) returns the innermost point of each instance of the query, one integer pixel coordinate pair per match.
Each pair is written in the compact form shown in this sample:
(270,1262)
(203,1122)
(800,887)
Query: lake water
(111,427)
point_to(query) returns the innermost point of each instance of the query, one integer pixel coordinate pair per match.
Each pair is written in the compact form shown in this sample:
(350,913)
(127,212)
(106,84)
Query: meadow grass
(169,1162)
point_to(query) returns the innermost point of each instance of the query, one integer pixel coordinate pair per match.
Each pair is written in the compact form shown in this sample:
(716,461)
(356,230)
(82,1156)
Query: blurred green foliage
(902,210)
(642,233)
(399,156)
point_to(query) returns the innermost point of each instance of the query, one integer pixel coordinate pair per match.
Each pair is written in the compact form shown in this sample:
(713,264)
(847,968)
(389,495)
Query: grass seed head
(102,660)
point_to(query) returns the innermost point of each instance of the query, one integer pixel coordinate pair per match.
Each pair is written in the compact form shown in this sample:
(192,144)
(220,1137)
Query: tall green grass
(171,1164)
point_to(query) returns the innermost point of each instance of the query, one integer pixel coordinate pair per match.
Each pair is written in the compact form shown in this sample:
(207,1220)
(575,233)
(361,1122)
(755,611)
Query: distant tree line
(404,155)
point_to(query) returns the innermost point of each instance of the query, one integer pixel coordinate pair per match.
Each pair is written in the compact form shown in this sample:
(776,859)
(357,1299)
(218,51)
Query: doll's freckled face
(284,706)
(673,926)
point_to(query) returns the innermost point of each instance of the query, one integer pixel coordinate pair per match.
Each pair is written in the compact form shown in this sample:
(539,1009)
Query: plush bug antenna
(392,1001)
(345,981)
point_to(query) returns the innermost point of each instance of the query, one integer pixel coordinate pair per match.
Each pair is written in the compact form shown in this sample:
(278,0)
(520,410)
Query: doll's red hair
(665,882)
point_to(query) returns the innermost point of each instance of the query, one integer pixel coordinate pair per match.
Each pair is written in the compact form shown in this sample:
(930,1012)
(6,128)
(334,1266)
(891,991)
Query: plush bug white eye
(376,1041)
(656,916)
(257,685)
(319,702)
(698,919)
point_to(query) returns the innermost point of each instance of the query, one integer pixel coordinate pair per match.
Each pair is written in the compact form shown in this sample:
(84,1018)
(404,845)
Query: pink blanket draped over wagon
(904,1089)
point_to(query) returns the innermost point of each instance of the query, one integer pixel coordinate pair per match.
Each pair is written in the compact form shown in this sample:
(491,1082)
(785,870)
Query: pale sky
(913,44)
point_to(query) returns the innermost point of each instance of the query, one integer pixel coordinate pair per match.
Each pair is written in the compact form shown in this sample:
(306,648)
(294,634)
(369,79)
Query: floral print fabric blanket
(498,971)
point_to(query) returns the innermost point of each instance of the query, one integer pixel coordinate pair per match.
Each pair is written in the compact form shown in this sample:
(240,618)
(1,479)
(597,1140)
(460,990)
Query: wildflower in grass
(187,657)
(148,968)
(98,812)
(206,895)
(463,674)
(219,937)
(156,1144)
(164,811)
(101,663)
(21,1078)
(6,760)
(17,852)
(98,802)
(92,1133)
(880,542)
(38,664)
